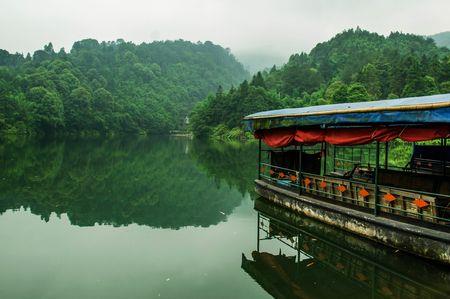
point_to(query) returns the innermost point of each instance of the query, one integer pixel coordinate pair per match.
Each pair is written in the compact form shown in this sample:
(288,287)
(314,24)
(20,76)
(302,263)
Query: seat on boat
(418,181)
(345,174)
(430,159)
(290,160)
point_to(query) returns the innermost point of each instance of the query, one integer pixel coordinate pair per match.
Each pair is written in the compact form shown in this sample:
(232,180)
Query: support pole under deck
(257,232)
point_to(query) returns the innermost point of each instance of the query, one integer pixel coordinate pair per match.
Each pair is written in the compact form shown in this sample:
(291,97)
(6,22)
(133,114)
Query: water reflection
(234,163)
(156,182)
(318,261)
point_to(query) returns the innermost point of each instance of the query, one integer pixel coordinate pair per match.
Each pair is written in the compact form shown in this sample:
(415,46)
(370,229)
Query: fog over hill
(442,39)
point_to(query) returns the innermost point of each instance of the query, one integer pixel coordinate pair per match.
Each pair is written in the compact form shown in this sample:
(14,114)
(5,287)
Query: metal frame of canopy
(427,109)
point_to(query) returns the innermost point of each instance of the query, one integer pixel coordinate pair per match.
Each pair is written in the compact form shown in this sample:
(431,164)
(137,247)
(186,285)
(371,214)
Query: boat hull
(424,242)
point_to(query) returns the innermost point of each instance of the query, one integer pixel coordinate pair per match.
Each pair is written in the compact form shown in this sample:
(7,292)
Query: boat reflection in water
(308,259)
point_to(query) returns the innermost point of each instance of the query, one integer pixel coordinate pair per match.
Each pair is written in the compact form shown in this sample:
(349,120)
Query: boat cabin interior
(408,188)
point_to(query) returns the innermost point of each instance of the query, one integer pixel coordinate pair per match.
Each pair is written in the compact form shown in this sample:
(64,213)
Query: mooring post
(259,160)
(377,165)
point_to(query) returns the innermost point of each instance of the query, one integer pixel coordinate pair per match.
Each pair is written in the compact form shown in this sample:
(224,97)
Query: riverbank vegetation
(353,66)
(110,87)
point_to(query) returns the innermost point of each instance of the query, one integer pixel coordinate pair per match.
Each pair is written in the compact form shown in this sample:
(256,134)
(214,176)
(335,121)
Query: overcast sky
(267,27)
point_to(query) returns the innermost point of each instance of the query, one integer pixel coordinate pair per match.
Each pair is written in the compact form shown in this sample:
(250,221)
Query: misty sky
(268,28)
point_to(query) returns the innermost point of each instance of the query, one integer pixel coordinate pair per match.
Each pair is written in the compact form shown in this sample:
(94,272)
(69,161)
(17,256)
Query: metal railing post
(377,166)
(445,157)
(259,160)
(334,157)
(300,169)
(386,155)
(325,158)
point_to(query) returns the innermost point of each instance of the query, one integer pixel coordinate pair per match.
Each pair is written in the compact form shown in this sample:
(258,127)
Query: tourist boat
(340,164)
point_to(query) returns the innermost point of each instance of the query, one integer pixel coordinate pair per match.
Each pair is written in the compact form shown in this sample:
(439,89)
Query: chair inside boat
(426,176)
(285,165)
(430,159)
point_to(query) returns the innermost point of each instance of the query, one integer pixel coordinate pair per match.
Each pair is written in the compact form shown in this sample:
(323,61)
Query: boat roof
(425,109)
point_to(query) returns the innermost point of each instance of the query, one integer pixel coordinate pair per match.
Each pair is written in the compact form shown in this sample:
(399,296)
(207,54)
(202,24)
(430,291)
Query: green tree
(370,78)
(48,110)
(78,110)
(337,92)
(357,93)
(258,80)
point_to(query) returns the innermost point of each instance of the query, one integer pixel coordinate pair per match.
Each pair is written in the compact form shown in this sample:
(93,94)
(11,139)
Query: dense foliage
(110,87)
(355,65)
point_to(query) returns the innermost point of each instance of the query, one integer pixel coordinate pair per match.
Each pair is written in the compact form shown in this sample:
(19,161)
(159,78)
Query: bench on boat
(430,159)
(356,186)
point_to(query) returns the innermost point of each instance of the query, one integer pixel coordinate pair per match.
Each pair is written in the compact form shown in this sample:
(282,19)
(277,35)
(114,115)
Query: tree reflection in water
(148,181)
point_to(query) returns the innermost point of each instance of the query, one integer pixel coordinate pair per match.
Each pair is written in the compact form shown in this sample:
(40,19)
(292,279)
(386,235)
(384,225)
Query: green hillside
(110,87)
(442,39)
(355,65)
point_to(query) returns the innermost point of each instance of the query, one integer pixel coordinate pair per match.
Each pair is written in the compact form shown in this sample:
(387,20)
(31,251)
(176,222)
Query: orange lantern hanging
(363,193)
(420,203)
(389,197)
(342,188)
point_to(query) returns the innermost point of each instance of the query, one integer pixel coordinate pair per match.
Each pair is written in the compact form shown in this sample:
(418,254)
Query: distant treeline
(110,87)
(355,65)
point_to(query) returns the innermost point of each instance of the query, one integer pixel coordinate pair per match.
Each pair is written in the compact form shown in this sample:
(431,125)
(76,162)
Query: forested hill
(355,65)
(110,87)
(442,39)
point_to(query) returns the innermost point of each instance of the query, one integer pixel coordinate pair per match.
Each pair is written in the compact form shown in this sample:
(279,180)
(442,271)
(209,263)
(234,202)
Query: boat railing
(421,205)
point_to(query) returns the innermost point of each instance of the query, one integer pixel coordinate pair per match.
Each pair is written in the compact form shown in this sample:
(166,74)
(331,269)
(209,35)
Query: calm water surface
(175,218)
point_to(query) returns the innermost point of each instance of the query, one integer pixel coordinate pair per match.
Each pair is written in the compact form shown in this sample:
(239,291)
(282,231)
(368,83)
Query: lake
(168,217)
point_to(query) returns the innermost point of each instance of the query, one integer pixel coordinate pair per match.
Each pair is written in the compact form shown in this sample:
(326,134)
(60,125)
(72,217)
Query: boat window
(290,159)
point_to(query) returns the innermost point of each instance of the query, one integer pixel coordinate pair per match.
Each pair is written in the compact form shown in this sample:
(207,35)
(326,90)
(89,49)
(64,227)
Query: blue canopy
(413,110)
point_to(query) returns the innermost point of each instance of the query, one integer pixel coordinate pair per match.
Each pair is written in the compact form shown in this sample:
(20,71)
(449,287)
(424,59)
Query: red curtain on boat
(351,136)
(276,138)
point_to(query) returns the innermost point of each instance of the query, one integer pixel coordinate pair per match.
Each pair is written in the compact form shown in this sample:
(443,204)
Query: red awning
(350,136)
